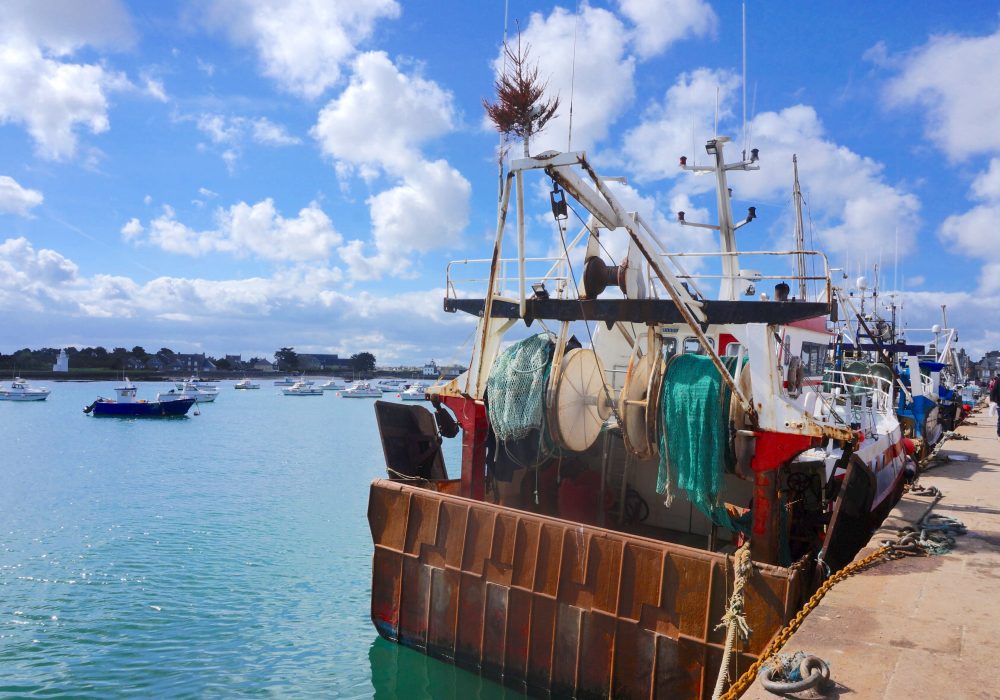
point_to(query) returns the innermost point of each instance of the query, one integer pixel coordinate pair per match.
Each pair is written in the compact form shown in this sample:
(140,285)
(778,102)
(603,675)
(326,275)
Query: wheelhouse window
(813,358)
(692,346)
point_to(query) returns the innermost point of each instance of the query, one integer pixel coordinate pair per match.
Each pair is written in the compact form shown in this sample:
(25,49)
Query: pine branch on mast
(520,110)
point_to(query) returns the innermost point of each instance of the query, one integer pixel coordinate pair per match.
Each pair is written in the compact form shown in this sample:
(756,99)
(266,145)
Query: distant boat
(390,384)
(361,390)
(303,389)
(199,392)
(333,385)
(414,392)
(246,384)
(21,390)
(198,382)
(126,405)
(290,381)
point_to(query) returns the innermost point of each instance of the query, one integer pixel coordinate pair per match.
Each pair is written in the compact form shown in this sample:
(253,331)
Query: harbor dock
(920,626)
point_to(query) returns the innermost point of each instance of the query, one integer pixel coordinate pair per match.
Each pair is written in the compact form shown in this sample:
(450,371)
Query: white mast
(800,244)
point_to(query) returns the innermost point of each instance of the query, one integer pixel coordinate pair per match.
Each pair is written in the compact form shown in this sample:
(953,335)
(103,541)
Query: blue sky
(234,176)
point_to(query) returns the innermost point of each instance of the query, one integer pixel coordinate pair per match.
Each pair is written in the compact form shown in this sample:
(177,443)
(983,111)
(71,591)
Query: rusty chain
(888,551)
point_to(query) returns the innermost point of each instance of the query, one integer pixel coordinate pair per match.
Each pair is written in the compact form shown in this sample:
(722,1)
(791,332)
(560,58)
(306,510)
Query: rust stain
(560,607)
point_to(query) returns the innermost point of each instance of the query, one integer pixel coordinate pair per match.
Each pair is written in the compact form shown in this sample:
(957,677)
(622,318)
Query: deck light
(680,216)
(540,291)
(712,147)
(684,161)
(754,154)
(751,213)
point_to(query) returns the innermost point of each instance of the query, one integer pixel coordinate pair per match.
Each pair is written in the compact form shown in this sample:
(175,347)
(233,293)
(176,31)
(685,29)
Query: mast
(800,244)
(726,227)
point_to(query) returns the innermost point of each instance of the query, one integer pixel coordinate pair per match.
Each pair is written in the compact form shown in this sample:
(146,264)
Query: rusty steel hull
(556,607)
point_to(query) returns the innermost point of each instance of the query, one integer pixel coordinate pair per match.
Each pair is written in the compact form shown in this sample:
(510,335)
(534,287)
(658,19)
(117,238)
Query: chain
(887,551)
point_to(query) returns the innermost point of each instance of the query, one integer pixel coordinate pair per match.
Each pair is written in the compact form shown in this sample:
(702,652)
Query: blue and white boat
(126,405)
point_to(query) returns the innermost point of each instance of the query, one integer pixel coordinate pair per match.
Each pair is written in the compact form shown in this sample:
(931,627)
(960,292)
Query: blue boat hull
(150,409)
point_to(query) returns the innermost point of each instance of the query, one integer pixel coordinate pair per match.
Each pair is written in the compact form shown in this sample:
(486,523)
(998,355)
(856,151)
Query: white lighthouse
(62,362)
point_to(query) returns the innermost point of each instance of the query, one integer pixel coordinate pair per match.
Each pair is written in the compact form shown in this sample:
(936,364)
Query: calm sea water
(225,554)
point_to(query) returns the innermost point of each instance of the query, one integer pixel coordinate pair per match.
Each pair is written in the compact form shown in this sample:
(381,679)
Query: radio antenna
(746,136)
(572,80)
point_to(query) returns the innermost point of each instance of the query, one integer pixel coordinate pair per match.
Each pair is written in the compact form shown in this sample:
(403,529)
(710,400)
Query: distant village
(99,360)
(363,364)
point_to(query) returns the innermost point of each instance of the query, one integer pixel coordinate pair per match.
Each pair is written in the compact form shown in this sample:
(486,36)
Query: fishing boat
(21,390)
(302,389)
(361,390)
(246,384)
(126,405)
(610,471)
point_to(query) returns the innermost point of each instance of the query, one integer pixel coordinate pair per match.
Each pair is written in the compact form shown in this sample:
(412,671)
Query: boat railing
(553,272)
(850,397)
(550,270)
(749,276)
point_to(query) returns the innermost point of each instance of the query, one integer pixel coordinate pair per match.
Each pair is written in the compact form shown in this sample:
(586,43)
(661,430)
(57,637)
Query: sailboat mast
(800,244)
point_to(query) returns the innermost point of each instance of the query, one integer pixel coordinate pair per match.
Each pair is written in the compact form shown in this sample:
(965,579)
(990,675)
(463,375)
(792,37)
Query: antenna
(746,139)
(716,110)
(572,80)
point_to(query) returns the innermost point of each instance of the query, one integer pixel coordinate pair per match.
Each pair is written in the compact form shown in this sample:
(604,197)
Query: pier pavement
(920,627)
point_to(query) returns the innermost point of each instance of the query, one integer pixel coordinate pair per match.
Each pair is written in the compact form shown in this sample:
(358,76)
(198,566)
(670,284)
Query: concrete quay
(920,627)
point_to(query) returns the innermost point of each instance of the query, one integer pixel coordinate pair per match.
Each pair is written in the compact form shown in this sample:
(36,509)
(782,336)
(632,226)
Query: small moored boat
(361,390)
(414,392)
(126,405)
(246,384)
(21,390)
(302,389)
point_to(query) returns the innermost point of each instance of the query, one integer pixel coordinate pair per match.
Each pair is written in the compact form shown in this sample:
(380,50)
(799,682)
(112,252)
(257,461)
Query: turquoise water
(224,554)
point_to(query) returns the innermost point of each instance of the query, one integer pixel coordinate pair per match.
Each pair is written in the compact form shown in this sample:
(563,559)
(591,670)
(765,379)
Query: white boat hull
(32,396)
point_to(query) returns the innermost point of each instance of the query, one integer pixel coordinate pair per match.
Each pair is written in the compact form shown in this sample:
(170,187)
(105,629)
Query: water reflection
(399,672)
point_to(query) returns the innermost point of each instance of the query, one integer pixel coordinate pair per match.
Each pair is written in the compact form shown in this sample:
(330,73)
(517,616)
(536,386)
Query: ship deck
(920,627)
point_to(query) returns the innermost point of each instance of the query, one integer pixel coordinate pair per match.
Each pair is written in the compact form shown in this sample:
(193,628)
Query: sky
(236,176)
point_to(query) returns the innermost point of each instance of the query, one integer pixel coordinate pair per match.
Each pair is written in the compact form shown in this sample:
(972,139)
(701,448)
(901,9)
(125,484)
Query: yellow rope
(779,640)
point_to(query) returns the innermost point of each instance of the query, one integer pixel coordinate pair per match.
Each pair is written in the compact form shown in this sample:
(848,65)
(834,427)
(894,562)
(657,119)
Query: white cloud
(243,229)
(660,23)
(986,186)
(27,275)
(43,293)
(302,44)
(604,73)
(63,26)
(684,120)
(427,207)
(132,229)
(154,88)
(52,99)
(207,193)
(966,312)
(954,78)
(266,132)
(365,124)
(15,199)
(428,210)
(232,132)
(205,67)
